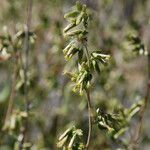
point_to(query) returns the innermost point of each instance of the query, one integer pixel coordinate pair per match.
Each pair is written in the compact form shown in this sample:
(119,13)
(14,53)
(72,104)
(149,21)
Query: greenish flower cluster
(116,124)
(77,33)
(137,45)
(70,139)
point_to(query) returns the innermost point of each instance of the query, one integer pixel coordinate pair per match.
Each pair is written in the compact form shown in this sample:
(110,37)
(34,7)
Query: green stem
(89,118)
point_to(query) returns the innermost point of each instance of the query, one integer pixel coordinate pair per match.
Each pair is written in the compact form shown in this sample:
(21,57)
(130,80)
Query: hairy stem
(26,48)
(89,118)
(143,108)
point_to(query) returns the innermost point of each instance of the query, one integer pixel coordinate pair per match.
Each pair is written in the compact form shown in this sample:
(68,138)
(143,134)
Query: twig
(90,118)
(26,48)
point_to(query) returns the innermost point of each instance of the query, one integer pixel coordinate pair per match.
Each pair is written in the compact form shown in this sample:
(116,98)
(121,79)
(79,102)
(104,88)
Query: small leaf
(70,26)
(75,32)
(71,141)
(79,6)
(62,142)
(72,14)
(79,18)
(65,133)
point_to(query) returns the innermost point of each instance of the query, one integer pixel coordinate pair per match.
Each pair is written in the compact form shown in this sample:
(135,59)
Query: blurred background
(53,104)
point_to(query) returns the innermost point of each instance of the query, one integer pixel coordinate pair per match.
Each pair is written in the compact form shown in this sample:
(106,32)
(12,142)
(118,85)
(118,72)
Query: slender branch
(143,108)
(89,117)
(26,48)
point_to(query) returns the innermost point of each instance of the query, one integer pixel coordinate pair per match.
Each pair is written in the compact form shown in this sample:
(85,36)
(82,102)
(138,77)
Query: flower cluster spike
(116,124)
(70,139)
(76,30)
(77,33)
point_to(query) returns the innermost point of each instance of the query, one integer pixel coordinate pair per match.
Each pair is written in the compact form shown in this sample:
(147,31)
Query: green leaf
(70,26)
(71,141)
(76,32)
(65,133)
(79,18)
(72,14)
(79,6)
(62,142)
